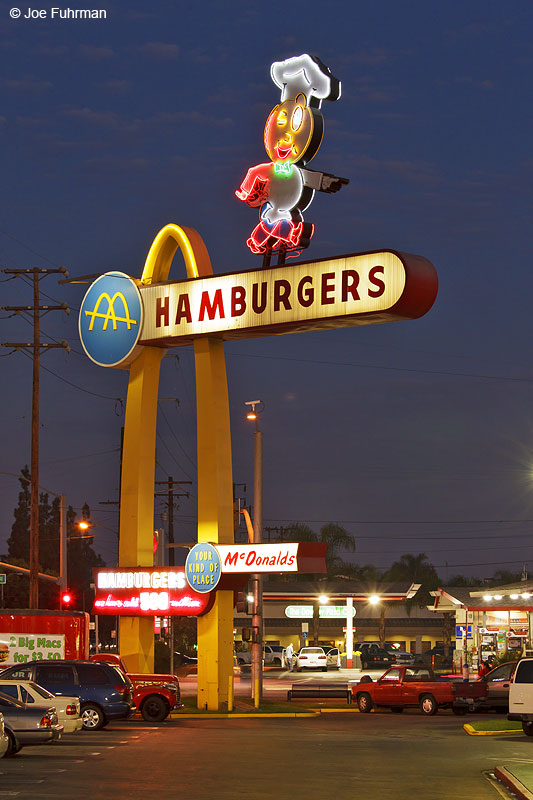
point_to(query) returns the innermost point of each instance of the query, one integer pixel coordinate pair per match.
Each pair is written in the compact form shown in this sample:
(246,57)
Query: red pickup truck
(154,695)
(402,687)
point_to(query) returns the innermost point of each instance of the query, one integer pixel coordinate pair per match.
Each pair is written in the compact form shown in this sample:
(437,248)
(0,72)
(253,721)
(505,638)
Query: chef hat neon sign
(281,188)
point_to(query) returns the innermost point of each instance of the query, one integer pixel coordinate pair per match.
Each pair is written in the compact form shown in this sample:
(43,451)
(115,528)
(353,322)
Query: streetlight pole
(257,580)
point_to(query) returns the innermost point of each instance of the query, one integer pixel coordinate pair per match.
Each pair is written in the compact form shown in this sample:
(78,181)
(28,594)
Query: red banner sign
(147,592)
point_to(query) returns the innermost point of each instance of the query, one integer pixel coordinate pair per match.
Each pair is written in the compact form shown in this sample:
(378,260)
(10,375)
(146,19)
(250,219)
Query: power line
(28,248)
(175,437)
(81,388)
(173,457)
(379,366)
(402,521)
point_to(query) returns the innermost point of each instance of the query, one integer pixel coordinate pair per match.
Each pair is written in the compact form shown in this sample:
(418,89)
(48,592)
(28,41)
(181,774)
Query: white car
(333,657)
(4,741)
(310,658)
(67,708)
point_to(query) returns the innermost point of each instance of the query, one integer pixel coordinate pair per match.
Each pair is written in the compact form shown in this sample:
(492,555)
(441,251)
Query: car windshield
(41,691)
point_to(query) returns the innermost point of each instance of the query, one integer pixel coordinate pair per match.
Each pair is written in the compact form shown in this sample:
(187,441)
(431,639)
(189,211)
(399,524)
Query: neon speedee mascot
(282,188)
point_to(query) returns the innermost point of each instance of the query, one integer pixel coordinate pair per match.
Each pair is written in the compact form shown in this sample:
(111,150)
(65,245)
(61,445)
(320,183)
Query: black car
(105,692)
(435,656)
(373,655)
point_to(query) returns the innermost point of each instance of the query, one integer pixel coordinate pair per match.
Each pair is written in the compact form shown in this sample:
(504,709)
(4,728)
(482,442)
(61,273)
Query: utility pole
(171,483)
(35,347)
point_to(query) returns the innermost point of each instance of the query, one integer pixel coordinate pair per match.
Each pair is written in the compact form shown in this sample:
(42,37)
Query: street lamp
(257,581)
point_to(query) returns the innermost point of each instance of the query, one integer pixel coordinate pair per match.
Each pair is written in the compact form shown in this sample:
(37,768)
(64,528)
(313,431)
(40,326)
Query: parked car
(154,694)
(435,656)
(4,741)
(498,682)
(401,687)
(67,708)
(373,655)
(333,657)
(269,656)
(25,724)
(105,692)
(401,656)
(277,652)
(521,695)
(310,658)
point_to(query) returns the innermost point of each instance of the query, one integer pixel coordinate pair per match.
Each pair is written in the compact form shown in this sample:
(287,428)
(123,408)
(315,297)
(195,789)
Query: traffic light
(244,603)
(66,599)
(246,633)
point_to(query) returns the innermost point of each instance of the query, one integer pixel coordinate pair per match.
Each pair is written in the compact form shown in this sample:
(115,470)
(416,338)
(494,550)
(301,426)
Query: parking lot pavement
(380,755)
(47,771)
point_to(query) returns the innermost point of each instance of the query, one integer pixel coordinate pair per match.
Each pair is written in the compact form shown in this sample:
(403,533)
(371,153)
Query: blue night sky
(417,436)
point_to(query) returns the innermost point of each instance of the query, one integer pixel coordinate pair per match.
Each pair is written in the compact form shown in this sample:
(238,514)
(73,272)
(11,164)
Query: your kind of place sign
(207,564)
(337,292)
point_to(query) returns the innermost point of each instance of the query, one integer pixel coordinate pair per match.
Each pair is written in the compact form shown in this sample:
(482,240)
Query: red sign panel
(147,592)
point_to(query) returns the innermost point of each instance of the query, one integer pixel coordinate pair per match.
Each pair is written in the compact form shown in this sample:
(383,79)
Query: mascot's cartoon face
(291,132)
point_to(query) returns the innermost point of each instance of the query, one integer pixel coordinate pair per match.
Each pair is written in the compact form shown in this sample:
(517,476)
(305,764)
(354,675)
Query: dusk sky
(417,436)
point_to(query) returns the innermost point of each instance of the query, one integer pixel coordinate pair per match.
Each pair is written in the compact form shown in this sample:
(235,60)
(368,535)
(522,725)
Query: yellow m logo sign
(110,313)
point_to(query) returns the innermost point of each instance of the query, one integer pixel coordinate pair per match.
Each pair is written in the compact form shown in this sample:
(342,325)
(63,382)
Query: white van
(521,695)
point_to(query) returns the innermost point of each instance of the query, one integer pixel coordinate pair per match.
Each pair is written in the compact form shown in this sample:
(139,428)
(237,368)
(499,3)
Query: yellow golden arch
(110,313)
(215,497)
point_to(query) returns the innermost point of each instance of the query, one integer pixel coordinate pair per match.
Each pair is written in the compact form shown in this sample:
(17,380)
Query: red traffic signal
(66,599)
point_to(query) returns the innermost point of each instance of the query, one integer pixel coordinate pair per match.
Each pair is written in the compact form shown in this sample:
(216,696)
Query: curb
(245,715)
(512,783)
(472,732)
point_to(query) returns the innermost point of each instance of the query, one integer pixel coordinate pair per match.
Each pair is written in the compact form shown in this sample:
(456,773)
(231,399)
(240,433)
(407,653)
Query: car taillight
(323,657)
(45,722)
(302,658)
(71,711)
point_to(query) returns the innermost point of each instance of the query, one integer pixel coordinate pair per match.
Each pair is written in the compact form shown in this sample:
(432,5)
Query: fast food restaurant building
(288,615)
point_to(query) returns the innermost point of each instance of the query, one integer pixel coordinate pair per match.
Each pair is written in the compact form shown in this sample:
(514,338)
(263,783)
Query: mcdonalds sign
(208,564)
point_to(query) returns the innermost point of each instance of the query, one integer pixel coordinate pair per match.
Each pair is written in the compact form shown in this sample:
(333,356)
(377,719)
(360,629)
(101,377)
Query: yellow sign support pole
(215,512)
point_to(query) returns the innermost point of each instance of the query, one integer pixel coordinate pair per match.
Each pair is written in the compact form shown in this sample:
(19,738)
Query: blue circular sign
(111,318)
(202,568)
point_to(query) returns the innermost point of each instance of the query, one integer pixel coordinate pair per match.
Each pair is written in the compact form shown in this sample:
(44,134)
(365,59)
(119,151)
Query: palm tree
(417,569)
(335,536)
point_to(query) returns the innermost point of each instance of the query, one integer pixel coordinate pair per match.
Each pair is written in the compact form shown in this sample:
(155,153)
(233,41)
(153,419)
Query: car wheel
(93,717)
(428,705)
(154,708)
(12,745)
(277,662)
(396,709)
(527,727)
(364,703)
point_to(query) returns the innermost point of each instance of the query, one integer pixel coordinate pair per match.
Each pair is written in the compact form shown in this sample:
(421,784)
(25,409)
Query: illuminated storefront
(487,621)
